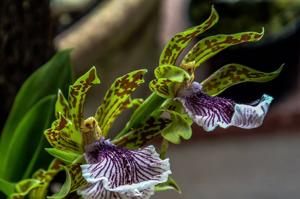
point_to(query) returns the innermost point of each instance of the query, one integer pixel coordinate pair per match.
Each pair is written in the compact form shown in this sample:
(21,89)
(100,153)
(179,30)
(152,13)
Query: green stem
(142,113)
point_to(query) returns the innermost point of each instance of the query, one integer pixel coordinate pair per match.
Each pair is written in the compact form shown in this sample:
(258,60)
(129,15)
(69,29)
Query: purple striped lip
(114,172)
(210,111)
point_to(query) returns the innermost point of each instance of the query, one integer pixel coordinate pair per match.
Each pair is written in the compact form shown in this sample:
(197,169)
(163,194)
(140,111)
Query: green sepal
(63,135)
(180,127)
(210,46)
(74,180)
(171,72)
(77,94)
(65,156)
(181,40)
(169,185)
(117,98)
(140,136)
(232,74)
(24,187)
(164,87)
(62,106)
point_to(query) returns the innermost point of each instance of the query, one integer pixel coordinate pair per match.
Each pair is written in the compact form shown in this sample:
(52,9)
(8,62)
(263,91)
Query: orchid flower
(199,100)
(107,171)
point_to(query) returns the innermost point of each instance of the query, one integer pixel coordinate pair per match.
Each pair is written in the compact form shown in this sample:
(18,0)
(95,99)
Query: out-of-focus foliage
(22,141)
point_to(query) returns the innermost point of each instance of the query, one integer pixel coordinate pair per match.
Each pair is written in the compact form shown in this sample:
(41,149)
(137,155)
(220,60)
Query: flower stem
(142,113)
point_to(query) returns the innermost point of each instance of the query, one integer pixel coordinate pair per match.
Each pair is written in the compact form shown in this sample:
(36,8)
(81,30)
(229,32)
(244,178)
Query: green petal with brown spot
(164,87)
(63,135)
(142,135)
(210,46)
(77,94)
(117,98)
(181,40)
(74,180)
(62,106)
(171,72)
(24,187)
(232,74)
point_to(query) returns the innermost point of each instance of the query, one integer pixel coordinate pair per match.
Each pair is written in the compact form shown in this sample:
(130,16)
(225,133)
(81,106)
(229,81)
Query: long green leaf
(210,46)
(7,187)
(232,74)
(45,81)
(27,134)
(181,40)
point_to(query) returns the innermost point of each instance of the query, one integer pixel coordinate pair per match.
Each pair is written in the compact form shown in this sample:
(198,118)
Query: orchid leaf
(180,127)
(65,156)
(169,185)
(232,74)
(180,41)
(171,72)
(164,87)
(22,145)
(140,136)
(63,135)
(74,180)
(210,46)
(45,81)
(7,187)
(117,98)
(77,94)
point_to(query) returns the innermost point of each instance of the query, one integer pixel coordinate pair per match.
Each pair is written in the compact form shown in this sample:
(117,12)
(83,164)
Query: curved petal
(210,112)
(122,173)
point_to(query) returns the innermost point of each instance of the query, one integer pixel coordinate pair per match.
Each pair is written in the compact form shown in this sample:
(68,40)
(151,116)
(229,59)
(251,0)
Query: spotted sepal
(171,72)
(37,186)
(210,46)
(73,181)
(62,106)
(140,136)
(77,94)
(164,87)
(232,74)
(63,135)
(117,98)
(180,41)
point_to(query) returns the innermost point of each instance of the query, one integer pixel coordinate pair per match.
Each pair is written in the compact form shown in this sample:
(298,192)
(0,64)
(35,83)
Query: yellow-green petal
(210,46)
(232,74)
(62,106)
(77,94)
(117,98)
(164,87)
(181,40)
(63,135)
(171,72)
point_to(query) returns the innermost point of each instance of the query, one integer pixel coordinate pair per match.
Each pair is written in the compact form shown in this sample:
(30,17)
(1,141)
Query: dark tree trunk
(25,44)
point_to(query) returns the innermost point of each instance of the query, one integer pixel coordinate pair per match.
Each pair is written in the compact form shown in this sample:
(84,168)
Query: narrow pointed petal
(232,74)
(210,112)
(181,40)
(210,46)
(123,173)
(117,98)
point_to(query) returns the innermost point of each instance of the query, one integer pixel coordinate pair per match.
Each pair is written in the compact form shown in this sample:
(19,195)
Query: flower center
(90,131)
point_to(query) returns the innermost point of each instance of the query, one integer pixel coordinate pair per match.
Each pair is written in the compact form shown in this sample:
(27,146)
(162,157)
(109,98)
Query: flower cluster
(124,166)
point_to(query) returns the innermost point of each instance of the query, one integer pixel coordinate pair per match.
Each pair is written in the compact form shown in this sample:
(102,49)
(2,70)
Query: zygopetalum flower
(107,171)
(199,100)
(114,172)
